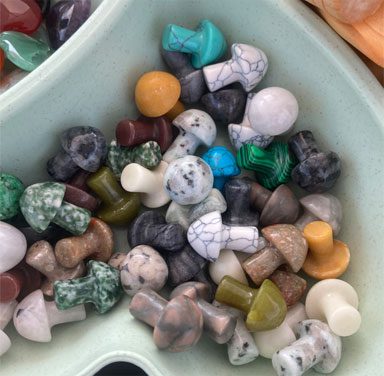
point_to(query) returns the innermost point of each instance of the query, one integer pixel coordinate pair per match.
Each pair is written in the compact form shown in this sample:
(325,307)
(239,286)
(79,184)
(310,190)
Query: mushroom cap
(281,207)
(195,290)
(31,319)
(322,332)
(156,93)
(289,241)
(13,246)
(273,111)
(40,202)
(199,123)
(326,207)
(268,308)
(204,235)
(343,320)
(221,161)
(86,146)
(180,325)
(188,180)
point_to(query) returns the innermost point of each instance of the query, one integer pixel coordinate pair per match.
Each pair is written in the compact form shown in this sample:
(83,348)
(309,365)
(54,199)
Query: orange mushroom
(157,93)
(327,258)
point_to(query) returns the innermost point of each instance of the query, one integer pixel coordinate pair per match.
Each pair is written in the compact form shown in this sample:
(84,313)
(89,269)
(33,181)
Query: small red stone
(20,15)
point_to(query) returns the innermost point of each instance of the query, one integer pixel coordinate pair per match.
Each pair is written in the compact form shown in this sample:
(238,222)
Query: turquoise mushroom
(223,165)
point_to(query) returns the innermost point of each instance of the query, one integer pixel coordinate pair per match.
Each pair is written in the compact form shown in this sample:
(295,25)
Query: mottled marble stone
(150,228)
(238,197)
(208,235)
(196,128)
(225,106)
(11,189)
(186,214)
(206,44)
(65,18)
(147,155)
(240,134)
(218,324)
(13,246)
(317,348)
(178,324)
(101,287)
(270,341)
(191,80)
(324,207)
(34,317)
(223,165)
(188,180)
(143,267)
(248,66)
(317,171)
(82,147)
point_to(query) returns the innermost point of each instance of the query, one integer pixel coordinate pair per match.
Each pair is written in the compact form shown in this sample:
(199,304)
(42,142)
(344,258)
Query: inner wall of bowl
(98,90)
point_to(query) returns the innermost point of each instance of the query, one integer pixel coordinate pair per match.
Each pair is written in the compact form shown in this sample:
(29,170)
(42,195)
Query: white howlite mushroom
(317,348)
(270,341)
(240,134)
(335,302)
(34,317)
(273,111)
(324,207)
(13,246)
(136,178)
(6,313)
(208,235)
(241,348)
(248,66)
(196,128)
(227,264)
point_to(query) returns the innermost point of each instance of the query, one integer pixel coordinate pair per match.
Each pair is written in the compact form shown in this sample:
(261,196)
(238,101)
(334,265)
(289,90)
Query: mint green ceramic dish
(90,81)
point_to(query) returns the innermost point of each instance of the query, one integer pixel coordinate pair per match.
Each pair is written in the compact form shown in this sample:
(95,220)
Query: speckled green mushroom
(101,286)
(11,188)
(42,203)
(147,155)
(272,166)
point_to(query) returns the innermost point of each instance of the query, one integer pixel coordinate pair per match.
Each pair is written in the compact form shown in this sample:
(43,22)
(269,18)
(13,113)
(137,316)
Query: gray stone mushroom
(177,324)
(287,246)
(34,317)
(321,206)
(219,324)
(40,256)
(196,128)
(317,348)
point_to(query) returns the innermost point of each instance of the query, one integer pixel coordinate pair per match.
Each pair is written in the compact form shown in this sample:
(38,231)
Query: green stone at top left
(11,188)
(24,51)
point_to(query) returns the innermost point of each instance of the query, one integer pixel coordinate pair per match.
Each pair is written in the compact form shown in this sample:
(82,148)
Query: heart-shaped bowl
(90,81)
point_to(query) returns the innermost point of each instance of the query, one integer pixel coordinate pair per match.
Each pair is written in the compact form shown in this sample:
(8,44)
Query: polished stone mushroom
(178,324)
(317,348)
(287,246)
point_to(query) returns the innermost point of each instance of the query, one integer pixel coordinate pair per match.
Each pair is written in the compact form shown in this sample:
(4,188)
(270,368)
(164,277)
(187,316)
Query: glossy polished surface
(341,95)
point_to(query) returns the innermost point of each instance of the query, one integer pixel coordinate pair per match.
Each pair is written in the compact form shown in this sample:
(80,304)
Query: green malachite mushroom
(11,188)
(272,166)
(265,307)
(101,286)
(42,203)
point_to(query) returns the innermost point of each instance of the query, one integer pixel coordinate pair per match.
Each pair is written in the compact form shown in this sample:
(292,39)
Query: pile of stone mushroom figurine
(228,246)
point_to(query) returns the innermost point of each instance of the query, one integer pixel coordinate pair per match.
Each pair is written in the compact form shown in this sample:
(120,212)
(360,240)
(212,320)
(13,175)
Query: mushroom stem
(239,238)
(306,218)
(185,142)
(303,145)
(56,316)
(72,218)
(320,240)
(136,178)
(342,317)
(82,290)
(259,196)
(147,307)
